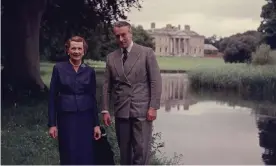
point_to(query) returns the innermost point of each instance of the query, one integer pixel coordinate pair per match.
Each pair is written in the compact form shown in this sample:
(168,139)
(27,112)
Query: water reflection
(175,92)
(267,136)
(212,105)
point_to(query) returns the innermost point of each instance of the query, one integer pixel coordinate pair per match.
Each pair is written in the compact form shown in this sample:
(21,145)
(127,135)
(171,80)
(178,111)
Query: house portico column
(179,46)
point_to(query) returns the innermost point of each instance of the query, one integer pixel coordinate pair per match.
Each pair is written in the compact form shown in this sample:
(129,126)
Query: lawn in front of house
(165,63)
(174,63)
(188,63)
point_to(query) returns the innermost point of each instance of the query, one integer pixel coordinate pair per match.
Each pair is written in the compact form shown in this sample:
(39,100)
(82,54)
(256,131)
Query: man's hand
(106,119)
(97,133)
(53,132)
(151,115)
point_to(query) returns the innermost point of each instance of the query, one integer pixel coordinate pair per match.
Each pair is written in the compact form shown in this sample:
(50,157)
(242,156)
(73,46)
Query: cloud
(221,17)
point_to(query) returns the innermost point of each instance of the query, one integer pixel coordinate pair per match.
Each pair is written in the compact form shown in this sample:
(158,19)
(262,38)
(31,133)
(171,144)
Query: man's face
(123,36)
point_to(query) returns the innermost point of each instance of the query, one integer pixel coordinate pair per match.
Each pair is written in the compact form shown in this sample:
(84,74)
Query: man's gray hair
(122,24)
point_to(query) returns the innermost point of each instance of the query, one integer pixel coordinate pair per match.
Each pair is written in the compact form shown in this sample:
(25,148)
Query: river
(214,127)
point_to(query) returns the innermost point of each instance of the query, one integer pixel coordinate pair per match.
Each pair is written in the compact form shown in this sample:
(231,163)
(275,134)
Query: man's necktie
(124,56)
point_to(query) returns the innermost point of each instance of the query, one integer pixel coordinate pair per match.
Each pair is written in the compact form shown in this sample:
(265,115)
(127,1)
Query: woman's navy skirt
(75,137)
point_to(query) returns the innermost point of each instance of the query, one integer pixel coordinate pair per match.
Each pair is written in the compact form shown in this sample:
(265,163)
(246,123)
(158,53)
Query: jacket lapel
(132,58)
(82,68)
(119,65)
(71,68)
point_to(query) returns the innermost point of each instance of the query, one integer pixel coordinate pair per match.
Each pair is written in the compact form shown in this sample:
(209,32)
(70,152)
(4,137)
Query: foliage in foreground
(25,138)
(157,157)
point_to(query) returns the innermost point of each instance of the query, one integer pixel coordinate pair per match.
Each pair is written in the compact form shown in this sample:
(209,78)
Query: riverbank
(245,78)
(205,70)
(173,64)
(214,73)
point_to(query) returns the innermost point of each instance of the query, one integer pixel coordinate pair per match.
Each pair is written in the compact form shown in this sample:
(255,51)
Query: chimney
(169,26)
(187,28)
(179,27)
(152,25)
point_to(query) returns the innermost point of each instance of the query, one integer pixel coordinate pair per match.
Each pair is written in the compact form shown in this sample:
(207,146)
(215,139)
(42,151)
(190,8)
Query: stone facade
(174,41)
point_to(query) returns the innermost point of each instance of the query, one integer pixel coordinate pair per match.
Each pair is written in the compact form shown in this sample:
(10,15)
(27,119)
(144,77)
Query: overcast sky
(207,17)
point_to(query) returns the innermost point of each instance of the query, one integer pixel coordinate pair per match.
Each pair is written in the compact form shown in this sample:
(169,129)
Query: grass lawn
(210,72)
(165,63)
(187,63)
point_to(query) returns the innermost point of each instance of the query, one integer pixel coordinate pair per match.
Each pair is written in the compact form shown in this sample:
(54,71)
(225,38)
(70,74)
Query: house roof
(209,47)
(173,32)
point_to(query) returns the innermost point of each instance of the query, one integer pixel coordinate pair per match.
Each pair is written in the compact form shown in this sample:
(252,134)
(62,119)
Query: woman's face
(76,50)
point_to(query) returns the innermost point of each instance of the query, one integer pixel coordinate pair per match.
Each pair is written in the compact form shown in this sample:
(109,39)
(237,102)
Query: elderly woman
(73,114)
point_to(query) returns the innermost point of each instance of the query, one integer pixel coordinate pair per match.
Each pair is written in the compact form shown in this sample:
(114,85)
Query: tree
(268,24)
(90,19)
(238,47)
(140,36)
(214,40)
(210,40)
(21,32)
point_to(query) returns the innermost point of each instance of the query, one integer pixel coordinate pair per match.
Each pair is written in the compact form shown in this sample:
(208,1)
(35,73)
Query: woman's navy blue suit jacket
(72,91)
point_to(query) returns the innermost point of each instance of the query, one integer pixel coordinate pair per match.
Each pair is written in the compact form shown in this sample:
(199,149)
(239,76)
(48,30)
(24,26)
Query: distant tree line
(238,48)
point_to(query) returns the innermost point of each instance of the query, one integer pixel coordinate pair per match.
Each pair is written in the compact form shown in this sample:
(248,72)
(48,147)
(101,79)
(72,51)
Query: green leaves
(142,37)
(268,24)
(238,47)
(264,55)
(90,19)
